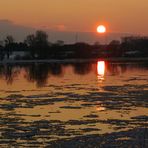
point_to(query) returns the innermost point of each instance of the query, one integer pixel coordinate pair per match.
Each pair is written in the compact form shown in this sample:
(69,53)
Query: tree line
(37,46)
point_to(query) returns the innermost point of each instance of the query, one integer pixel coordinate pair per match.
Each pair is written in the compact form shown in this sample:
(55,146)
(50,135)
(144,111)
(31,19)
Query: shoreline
(124,60)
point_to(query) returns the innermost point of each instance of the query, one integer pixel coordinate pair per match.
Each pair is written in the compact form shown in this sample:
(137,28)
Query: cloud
(19,32)
(61,27)
(6,22)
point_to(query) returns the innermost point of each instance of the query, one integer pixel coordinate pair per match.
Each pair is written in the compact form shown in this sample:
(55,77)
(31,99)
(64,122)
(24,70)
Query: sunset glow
(50,14)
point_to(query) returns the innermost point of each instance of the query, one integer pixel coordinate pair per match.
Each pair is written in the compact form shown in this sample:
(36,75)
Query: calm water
(71,105)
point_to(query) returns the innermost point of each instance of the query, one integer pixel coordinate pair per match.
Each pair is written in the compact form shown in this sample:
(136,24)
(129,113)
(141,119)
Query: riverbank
(122,59)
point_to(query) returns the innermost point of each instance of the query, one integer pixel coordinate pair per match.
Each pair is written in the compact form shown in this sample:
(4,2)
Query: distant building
(18,55)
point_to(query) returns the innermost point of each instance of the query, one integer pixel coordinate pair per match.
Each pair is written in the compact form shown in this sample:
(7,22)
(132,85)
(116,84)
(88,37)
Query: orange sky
(74,15)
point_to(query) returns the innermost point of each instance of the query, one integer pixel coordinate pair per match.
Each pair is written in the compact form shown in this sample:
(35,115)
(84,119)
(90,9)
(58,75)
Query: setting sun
(101,29)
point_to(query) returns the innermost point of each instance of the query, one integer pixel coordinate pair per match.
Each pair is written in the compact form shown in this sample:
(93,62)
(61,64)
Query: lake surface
(98,104)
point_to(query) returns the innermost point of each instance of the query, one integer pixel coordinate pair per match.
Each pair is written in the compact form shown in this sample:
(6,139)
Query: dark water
(74,105)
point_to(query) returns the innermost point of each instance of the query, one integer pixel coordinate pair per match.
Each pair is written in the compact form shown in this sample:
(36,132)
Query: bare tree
(38,43)
(9,39)
(30,40)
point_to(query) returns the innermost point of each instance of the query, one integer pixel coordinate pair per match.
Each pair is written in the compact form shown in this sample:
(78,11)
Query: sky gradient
(128,16)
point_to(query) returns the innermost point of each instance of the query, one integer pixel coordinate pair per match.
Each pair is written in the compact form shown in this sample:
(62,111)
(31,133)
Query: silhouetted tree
(114,48)
(38,44)
(96,44)
(42,44)
(82,50)
(9,40)
(1,52)
(137,44)
(59,43)
(31,41)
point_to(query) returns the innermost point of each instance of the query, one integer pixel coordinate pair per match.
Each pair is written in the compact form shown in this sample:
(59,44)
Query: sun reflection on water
(101,70)
(100,108)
